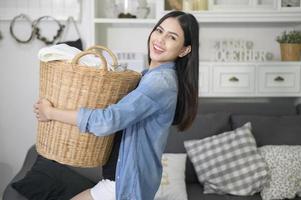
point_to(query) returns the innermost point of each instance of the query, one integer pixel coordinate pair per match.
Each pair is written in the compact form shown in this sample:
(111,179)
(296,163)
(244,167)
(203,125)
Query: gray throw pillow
(272,130)
(204,125)
(229,163)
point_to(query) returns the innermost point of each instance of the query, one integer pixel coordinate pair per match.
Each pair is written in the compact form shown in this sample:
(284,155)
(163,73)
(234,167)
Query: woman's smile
(157,48)
(166,42)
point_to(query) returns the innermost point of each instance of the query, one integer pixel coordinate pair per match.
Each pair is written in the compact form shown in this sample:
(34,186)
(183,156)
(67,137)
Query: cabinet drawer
(280,80)
(238,79)
(203,80)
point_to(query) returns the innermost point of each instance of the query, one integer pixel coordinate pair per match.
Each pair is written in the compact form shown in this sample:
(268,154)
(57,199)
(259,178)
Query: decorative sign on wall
(238,51)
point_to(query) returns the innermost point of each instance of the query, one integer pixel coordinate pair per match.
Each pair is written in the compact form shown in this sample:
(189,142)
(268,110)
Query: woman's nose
(161,38)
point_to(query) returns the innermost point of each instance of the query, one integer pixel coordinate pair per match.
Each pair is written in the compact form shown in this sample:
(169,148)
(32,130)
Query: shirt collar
(167,65)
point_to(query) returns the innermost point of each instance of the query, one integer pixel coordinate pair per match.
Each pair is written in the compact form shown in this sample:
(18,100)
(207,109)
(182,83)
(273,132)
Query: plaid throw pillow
(228,163)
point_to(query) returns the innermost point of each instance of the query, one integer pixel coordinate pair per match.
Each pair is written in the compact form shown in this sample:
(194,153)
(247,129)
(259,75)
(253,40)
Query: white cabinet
(204,79)
(230,80)
(273,79)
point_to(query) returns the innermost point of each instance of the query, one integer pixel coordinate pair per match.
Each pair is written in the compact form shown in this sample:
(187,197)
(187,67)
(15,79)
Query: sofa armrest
(9,192)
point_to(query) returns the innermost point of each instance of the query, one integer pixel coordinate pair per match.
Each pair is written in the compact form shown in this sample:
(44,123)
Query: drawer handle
(279,79)
(233,79)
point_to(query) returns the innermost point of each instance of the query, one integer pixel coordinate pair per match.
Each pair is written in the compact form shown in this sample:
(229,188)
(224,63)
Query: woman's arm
(152,94)
(46,112)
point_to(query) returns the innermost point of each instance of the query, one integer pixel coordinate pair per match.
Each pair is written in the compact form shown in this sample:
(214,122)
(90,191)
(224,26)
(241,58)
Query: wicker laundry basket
(71,86)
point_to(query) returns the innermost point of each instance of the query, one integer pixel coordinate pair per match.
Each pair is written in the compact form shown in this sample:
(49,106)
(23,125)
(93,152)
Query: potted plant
(290,45)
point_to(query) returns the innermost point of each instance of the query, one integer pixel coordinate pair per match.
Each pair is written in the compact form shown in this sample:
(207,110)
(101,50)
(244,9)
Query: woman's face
(167,42)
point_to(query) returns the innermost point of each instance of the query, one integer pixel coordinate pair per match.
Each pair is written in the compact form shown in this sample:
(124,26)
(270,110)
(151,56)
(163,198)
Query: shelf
(216,16)
(219,16)
(124,21)
(246,16)
(250,63)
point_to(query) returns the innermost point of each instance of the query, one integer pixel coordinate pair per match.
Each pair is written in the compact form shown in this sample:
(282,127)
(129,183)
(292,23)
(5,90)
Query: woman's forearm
(45,112)
(65,116)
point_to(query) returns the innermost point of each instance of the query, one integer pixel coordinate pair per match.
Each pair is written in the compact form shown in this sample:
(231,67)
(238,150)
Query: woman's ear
(186,50)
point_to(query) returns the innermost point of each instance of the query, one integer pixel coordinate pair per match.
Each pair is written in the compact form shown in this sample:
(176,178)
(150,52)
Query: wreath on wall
(35,29)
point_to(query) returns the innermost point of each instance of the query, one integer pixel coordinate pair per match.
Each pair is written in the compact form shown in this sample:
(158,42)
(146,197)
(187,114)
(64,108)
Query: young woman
(167,94)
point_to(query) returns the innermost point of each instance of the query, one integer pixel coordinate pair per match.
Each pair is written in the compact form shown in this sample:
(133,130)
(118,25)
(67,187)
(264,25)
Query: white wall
(19,83)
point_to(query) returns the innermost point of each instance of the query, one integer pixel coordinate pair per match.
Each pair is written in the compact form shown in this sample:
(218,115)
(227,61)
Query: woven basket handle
(102,48)
(83,53)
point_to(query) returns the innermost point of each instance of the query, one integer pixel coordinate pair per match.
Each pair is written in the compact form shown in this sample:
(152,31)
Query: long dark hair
(187,69)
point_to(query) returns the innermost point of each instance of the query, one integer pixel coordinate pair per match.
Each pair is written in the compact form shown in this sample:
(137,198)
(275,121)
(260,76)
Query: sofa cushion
(50,180)
(204,125)
(272,130)
(247,108)
(285,171)
(172,186)
(228,163)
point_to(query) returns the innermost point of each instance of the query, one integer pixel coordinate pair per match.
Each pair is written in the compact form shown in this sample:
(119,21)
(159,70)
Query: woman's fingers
(40,108)
(35,108)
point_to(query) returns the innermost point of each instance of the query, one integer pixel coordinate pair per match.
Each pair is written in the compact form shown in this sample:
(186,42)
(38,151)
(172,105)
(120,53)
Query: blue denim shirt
(145,114)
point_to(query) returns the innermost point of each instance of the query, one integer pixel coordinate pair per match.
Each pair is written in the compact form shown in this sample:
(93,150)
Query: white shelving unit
(255,81)
(247,13)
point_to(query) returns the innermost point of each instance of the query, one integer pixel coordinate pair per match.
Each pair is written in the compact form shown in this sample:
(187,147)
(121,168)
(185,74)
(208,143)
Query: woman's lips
(158,49)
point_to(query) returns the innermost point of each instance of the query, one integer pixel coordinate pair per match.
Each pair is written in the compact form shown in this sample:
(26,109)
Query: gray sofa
(269,121)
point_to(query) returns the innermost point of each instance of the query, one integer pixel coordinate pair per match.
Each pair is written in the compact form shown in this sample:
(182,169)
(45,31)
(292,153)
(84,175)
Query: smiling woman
(167,42)
(166,95)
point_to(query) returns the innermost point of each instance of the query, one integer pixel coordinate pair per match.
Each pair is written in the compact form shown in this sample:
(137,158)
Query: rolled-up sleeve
(82,118)
(134,107)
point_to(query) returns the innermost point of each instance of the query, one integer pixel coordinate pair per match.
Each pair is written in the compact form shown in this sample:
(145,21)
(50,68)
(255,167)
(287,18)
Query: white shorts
(103,190)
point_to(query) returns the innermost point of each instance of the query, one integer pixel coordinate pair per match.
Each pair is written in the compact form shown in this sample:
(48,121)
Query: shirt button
(118,160)
(117,177)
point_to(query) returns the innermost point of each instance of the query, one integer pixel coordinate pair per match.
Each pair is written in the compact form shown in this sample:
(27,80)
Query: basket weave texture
(71,86)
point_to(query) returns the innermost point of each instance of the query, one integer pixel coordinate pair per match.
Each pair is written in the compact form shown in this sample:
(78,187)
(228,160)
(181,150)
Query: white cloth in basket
(66,52)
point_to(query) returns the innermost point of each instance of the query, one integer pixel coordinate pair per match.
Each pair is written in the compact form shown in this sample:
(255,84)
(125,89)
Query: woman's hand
(42,109)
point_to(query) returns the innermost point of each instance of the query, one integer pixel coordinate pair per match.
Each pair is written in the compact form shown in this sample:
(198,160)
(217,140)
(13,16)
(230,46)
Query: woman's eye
(172,37)
(159,30)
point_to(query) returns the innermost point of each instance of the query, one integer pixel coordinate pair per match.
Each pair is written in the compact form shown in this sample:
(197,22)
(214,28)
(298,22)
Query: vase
(290,52)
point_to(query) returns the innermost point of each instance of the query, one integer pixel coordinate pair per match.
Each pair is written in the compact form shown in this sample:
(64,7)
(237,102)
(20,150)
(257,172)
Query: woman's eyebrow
(173,33)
